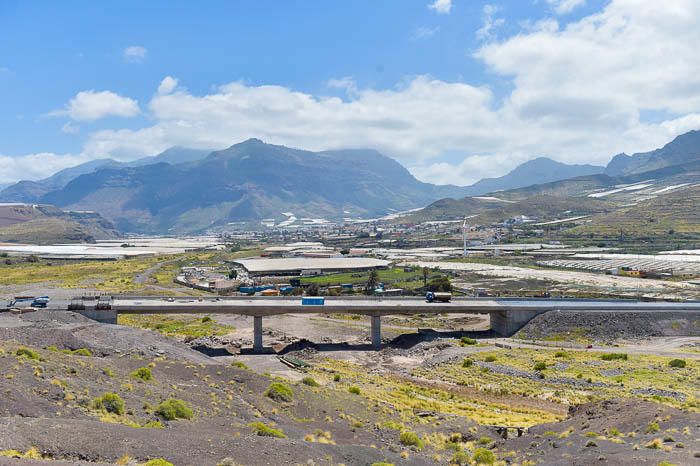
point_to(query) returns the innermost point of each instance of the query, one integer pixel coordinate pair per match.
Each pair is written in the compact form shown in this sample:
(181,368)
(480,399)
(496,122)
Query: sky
(455,90)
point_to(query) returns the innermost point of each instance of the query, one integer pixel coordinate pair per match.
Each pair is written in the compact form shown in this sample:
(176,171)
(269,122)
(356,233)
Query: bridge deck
(384,306)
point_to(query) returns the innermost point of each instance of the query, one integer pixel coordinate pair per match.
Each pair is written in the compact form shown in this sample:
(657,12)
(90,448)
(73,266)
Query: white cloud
(35,166)
(167,85)
(579,95)
(425,32)
(442,7)
(563,7)
(92,105)
(489,22)
(70,128)
(135,53)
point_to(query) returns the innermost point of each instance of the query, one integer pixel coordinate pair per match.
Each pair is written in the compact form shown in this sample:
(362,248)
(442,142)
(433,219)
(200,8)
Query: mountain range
(31,191)
(245,183)
(652,192)
(188,190)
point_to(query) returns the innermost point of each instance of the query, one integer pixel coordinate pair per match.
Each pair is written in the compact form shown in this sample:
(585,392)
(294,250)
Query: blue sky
(383,59)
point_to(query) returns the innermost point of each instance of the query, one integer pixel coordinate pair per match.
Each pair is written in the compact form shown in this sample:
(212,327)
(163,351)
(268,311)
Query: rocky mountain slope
(248,182)
(536,171)
(46,224)
(32,191)
(683,149)
(657,194)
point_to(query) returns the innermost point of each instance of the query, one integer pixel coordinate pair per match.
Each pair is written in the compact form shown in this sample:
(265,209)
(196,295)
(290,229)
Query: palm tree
(372,282)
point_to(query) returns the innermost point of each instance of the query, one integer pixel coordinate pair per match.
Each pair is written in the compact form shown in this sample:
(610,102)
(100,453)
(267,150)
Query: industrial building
(296,266)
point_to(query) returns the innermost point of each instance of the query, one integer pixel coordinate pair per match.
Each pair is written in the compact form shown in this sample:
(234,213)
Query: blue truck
(438,297)
(313,301)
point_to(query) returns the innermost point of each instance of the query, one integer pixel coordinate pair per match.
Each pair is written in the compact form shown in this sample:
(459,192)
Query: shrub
(108,372)
(206,319)
(614,356)
(540,366)
(410,439)
(239,364)
(461,458)
(382,463)
(485,440)
(309,381)
(679,363)
(490,358)
(158,462)
(174,409)
(336,378)
(561,354)
(279,392)
(27,353)
(467,362)
(82,352)
(264,430)
(354,390)
(652,428)
(52,348)
(467,341)
(484,456)
(110,402)
(142,373)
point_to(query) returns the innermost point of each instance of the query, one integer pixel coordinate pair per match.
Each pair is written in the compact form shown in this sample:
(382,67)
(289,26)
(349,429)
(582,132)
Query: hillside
(45,224)
(683,149)
(675,212)
(248,182)
(497,208)
(536,171)
(32,191)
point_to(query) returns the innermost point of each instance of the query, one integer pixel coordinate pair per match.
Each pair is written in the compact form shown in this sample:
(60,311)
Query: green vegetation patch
(677,363)
(174,409)
(264,430)
(158,462)
(614,356)
(27,353)
(142,373)
(310,381)
(411,439)
(279,392)
(109,402)
(178,326)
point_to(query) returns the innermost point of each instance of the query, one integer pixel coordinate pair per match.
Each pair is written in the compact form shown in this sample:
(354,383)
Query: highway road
(507,315)
(383,306)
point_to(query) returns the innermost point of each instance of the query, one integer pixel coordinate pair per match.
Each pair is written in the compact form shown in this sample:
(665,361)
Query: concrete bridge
(507,315)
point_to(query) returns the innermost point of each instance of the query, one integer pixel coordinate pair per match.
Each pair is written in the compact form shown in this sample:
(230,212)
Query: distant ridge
(245,183)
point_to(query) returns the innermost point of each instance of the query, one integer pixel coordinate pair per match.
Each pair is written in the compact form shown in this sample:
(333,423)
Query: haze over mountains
(188,190)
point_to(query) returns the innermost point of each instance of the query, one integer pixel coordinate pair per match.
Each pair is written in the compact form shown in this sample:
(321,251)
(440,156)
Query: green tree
(426,274)
(372,282)
(312,290)
(441,283)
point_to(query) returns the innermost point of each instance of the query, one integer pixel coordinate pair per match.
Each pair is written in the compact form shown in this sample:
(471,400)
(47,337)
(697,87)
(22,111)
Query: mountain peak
(682,149)
(535,171)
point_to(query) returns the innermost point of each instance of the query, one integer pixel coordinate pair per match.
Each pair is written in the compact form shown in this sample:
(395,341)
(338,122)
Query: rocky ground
(608,327)
(47,404)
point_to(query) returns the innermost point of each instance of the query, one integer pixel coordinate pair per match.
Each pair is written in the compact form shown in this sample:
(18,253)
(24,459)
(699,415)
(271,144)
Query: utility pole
(464,236)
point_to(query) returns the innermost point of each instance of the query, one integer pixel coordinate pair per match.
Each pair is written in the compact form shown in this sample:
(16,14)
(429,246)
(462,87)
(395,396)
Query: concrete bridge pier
(376,332)
(257,334)
(506,323)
